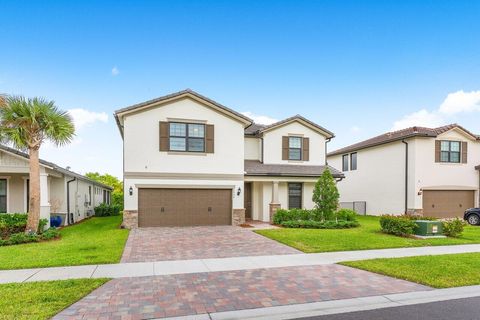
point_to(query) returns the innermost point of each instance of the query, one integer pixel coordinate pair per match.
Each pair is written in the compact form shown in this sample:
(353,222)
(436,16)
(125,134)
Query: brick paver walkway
(190,294)
(185,243)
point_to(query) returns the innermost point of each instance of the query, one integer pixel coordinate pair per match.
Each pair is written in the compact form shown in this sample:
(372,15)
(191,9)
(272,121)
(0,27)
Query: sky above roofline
(357,68)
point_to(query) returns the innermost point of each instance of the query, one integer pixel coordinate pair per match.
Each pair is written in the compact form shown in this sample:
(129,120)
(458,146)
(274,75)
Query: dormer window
(294,148)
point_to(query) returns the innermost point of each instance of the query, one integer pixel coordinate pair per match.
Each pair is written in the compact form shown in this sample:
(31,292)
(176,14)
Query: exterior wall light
(130,190)
(239,190)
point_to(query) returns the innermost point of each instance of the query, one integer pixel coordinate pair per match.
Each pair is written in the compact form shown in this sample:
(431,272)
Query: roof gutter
(406,175)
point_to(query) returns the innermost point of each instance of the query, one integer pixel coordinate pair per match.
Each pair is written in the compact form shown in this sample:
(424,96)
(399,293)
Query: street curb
(340,306)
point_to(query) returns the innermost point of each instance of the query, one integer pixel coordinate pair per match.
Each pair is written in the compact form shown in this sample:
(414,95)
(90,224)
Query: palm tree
(26,124)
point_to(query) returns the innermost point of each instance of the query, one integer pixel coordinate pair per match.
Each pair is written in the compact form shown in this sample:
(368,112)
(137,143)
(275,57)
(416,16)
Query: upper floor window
(294,148)
(345,162)
(187,137)
(450,151)
(353,161)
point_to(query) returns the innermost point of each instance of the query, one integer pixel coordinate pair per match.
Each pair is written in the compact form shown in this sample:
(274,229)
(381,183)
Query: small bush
(310,224)
(11,223)
(419,217)
(453,228)
(105,210)
(22,237)
(346,215)
(292,215)
(397,225)
(41,225)
(50,233)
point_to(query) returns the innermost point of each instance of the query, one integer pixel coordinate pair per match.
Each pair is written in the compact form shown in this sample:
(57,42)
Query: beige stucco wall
(379,179)
(273,144)
(446,176)
(253,148)
(141,141)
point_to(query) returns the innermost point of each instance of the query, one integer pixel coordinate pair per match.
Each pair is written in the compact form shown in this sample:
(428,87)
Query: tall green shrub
(325,196)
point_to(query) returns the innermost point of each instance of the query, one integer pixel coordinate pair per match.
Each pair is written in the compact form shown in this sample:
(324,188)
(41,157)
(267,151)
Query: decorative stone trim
(238,217)
(273,209)
(130,219)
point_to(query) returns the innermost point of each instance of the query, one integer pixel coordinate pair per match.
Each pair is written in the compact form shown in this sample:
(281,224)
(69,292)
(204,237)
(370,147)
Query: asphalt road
(461,309)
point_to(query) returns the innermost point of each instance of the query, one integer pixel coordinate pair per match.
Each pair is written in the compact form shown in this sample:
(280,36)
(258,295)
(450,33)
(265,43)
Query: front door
(247,199)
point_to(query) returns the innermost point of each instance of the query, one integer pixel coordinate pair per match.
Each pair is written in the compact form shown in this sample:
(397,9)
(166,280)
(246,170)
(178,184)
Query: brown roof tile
(399,135)
(256,168)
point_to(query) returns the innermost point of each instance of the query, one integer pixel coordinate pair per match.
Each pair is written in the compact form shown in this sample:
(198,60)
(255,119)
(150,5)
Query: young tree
(112,181)
(325,195)
(26,124)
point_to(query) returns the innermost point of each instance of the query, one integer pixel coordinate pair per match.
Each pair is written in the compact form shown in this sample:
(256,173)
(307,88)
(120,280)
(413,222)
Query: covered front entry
(447,203)
(184,207)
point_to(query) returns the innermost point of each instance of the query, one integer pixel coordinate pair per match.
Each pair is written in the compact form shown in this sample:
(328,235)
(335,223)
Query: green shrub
(346,215)
(453,228)
(50,233)
(41,225)
(106,210)
(291,215)
(418,217)
(397,225)
(22,237)
(325,196)
(310,224)
(11,223)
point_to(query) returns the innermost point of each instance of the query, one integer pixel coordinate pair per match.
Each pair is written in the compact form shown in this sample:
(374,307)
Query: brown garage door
(447,203)
(184,207)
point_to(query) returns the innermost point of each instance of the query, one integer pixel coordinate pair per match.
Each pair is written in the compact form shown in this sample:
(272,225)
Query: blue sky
(358,68)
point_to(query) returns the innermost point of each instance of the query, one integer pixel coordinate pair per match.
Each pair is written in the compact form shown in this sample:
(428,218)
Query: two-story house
(189,160)
(431,171)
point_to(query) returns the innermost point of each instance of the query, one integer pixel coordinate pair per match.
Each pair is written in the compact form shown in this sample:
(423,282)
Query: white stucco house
(189,160)
(61,191)
(430,171)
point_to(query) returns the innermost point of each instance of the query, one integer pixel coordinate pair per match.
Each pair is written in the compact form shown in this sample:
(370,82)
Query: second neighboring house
(189,160)
(429,171)
(61,191)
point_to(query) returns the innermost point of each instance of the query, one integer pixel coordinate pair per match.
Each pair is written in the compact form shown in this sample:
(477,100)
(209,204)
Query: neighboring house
(431,171)
(189,160)
(61,190)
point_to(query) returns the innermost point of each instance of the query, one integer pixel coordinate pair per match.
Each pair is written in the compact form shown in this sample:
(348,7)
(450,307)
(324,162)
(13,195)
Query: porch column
(44,198)
(275,204)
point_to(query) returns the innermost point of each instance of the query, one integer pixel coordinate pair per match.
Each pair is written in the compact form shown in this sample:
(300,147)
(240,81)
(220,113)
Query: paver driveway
(200,293)
(185,243)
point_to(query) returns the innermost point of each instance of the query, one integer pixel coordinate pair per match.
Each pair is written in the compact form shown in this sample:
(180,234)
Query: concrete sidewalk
(142,269)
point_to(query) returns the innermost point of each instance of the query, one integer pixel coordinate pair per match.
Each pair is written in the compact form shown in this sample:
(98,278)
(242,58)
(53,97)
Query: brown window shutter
(464,152)
(306,149)
(164,136)
(210,139)
(284,148)
(437,150)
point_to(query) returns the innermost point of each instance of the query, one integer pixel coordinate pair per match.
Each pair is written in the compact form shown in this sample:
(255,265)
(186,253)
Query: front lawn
(367,236)
(42,300)
(94,241)
(445,271)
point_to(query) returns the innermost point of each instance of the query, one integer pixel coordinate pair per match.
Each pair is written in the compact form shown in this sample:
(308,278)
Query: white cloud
(355,129)
(260,119)
(82,117)
(461,101)
(422,118)
(115,71)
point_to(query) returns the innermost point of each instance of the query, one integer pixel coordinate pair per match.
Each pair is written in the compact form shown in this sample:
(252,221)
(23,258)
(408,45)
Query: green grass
(367,236)
(42,300)
(444,271)
(97,240)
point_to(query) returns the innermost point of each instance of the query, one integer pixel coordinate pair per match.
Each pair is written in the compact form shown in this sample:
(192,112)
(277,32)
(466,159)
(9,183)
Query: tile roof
(399,135)
(256,168)
(253,129)
(298,117)
(53,166)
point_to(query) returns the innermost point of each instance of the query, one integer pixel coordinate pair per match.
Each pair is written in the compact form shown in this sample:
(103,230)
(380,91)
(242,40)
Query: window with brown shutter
(210,139)
(450,151)
(164,136)
(284,148)
(437,150)
(464,151)
(306,149)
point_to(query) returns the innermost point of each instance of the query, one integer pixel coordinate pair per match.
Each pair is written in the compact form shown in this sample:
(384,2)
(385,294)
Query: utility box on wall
(427,228)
